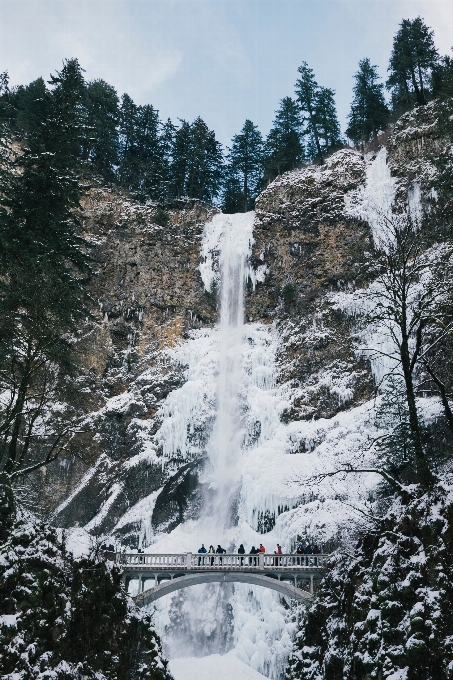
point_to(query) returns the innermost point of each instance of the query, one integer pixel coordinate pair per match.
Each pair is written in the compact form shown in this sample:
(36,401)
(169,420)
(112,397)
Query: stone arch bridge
(294,576)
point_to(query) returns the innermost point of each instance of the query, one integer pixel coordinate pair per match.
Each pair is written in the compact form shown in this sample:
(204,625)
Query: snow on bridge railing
(260,561)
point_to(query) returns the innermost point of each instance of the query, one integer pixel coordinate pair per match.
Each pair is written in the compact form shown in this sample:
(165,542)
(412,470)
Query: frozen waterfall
(234,234)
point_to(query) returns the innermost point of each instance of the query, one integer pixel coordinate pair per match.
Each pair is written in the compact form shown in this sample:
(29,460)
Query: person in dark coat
(316,551)
(241,551)
(252,560)
(202,551)
(308,551)
(220,551)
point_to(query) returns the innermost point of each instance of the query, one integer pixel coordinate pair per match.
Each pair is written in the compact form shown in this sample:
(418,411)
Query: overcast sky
(225,60)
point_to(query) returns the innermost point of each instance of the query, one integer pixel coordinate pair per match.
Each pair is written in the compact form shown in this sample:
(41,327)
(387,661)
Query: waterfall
(224,448)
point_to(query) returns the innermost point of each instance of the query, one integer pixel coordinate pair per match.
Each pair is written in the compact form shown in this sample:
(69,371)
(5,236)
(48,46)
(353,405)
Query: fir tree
(197,162)
(233,195)
(180,159)
(283,148)
(307,93)
(442,78)
(413,58)
(43,268)
(150,159)
(318,106)
(102,114)
(32,106)
(245,160)
(369,112)
(326,115)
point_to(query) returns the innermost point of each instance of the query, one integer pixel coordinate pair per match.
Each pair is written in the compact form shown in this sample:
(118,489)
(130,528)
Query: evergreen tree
(144,144)
(369,112)
(326,115)
(233,195)
(205,169)
(413,58)
(65,129)
(150,160)
(442,78)
(318,105)
(43,267)
(102,114)
(128,116)
(245,161)
(307,93)
(283,148)
(32,106)
(197,163)
(180,159)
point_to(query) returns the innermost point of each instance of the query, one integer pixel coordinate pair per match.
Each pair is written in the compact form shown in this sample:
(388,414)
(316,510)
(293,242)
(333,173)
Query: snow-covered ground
(214,666)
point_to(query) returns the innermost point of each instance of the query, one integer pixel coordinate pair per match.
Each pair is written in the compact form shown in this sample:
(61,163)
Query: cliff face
(150,296)
(308,247)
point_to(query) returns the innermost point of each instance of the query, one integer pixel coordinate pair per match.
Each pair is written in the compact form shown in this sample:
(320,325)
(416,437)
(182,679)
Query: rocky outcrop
(309,246)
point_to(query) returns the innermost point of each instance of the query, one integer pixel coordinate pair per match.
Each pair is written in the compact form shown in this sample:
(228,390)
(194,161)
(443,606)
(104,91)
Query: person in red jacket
(262,548)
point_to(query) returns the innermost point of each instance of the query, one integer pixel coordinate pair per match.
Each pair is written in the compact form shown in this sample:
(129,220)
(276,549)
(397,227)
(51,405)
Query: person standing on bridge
(241,551)
(252,560)
(220,551)
(308,551)
(316,551)
(211,551)
(261,549)
(201,550)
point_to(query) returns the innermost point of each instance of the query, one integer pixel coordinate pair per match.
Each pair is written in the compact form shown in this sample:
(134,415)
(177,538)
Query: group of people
(301,549)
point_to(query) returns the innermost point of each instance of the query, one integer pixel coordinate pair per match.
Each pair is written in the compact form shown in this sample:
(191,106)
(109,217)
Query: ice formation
(231,392)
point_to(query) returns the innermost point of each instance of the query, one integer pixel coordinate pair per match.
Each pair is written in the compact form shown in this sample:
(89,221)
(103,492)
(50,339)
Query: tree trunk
(19,406)
(7,507)
(422,90)
(316,136)
(418,94)
(421,464)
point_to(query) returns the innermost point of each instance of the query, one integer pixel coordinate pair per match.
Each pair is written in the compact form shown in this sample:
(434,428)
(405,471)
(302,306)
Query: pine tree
(128,122)
(149,154)
(102,116)
(413,58)
(369,112)
(32,106)
(233,195)
(197,162)
(283,148)
(326,115)
(442,78)
(245,160)
(43,267)
(180,159)
(307,93)
(318,105)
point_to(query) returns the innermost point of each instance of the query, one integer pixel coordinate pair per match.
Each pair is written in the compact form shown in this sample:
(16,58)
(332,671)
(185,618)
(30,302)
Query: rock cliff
(149,296)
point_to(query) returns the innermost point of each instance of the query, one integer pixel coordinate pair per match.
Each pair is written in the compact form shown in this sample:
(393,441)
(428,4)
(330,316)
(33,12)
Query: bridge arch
(282,587)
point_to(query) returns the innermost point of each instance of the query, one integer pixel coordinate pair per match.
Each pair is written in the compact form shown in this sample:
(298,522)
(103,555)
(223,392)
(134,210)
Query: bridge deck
(203,562)
(300,569)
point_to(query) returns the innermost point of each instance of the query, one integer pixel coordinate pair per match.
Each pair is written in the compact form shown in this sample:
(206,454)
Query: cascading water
(224,447)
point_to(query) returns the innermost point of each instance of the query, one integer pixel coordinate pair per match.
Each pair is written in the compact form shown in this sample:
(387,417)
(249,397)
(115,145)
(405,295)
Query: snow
(204,668)
(78,541)
(374,201)
(8,620)
(272,473)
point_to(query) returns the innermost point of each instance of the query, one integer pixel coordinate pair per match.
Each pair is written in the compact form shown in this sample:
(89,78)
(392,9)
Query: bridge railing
(158,561)
(261,561)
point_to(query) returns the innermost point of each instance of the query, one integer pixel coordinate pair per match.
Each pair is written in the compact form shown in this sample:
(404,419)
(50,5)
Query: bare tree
(411,303)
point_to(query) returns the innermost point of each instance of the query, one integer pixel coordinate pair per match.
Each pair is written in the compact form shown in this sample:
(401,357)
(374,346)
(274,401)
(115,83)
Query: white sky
(226,60)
